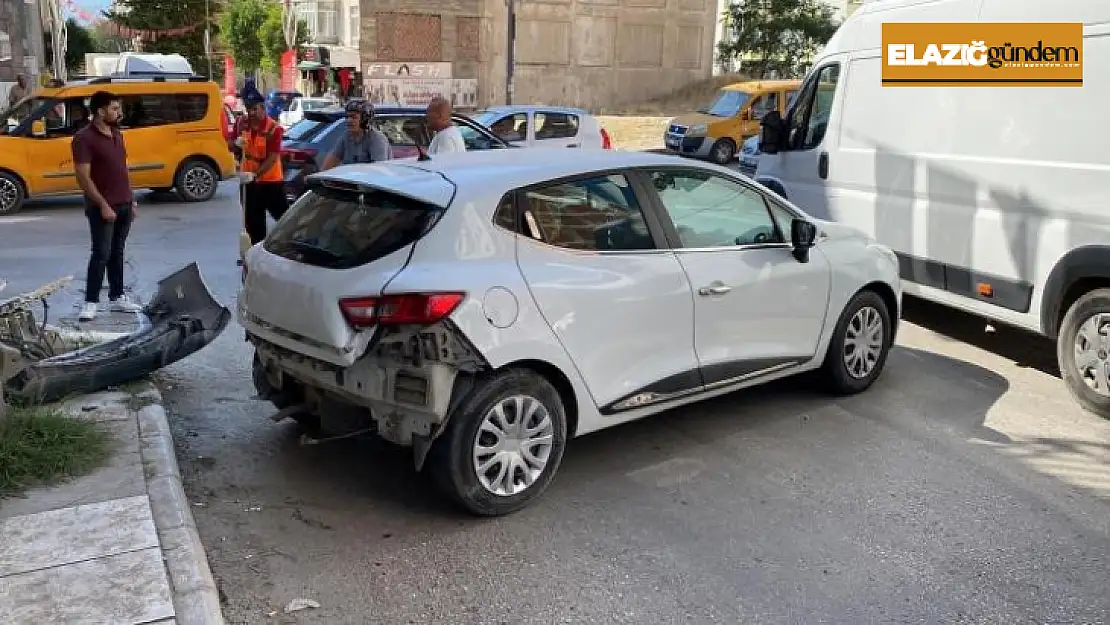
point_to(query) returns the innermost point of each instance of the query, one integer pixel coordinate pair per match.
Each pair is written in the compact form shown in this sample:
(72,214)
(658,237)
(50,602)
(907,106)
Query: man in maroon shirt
(100,159)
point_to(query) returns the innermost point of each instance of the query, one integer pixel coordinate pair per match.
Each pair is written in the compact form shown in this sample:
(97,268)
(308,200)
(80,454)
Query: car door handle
(823,165)
(573,145)
(716,289)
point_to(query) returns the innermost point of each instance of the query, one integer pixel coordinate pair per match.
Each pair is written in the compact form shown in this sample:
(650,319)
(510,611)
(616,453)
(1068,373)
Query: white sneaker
(88,312)
(123,304)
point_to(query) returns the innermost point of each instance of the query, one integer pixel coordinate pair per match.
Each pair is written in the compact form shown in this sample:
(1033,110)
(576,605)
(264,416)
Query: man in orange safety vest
(261,171)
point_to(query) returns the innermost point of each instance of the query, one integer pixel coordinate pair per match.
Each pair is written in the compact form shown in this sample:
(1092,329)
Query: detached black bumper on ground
(182,318)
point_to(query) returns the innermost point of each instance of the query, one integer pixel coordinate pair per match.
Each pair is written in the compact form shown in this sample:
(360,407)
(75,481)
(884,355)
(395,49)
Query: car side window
(556,126)
(511,127)
(764,104)
(476,139)
(783,217)
(596,214)
(505,216)
(809,120)
(191,107)
(711,211)
(148,110)
(66,117)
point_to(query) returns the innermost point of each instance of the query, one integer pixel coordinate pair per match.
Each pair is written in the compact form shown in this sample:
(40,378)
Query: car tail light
(606,142)
(402,309)
(296,156)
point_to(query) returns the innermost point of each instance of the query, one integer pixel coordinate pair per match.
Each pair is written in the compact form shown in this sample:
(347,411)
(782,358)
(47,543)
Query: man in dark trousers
(100,159)
(261,170)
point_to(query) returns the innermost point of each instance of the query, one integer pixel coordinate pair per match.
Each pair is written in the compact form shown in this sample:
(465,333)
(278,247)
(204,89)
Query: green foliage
(40,445)
(79,41)
(170,14)
(775,35)
(253,31)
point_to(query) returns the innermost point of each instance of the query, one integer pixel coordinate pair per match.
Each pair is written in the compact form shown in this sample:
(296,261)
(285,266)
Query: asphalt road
(964,487)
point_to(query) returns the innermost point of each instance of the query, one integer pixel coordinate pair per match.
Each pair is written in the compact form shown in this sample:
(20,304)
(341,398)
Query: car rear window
(340,228)
(302,130)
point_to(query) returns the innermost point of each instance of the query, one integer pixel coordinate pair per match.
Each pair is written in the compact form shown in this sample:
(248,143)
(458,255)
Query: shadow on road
(1025,349)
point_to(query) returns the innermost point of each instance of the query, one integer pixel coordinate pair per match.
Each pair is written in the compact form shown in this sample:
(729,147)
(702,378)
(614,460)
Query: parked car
(306,146)
(485,308)
(749,156)
(545,126)
(278,101)
(299,106)
(1012,227)
(716,131)
(174,129)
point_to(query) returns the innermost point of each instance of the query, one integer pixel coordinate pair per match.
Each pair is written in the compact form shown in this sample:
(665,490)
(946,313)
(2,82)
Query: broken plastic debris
(297,605)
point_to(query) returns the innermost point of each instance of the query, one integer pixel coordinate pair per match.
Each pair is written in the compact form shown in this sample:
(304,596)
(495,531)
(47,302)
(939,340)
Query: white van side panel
(994,182)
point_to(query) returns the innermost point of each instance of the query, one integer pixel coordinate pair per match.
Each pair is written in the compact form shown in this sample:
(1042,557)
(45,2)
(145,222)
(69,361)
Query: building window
(327,23)
(5,46)
(353,25)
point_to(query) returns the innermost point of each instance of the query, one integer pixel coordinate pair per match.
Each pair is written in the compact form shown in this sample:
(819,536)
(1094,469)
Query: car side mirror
(772,133)
(802,236)
(38,128)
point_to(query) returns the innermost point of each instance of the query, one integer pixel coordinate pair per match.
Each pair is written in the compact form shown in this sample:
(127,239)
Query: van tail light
(296,156)
(606,142)
(422,309)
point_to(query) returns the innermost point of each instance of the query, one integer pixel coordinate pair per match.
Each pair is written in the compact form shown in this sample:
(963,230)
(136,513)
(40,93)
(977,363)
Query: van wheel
(1083,351)
(196,181)
(503,446)
(11,194)
(723,151)
(859,345)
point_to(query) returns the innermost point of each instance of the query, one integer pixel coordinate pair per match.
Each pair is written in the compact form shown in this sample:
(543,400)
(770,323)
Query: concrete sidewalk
(118,546)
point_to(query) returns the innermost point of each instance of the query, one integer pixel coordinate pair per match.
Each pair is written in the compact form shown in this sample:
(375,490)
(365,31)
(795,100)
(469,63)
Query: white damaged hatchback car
(484,308)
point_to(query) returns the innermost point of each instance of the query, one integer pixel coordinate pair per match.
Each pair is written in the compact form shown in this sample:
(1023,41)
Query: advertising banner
(229,75)
(462,92)
(289,70)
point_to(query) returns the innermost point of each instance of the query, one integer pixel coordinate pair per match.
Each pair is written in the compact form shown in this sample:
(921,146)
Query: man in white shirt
(447,137)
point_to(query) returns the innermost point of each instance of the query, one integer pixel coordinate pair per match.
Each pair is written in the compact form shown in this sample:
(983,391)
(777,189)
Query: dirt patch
(641,126)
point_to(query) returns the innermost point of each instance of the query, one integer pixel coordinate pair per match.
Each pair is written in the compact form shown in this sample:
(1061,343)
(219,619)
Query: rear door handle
(572,145)
(823,165)
(716,289)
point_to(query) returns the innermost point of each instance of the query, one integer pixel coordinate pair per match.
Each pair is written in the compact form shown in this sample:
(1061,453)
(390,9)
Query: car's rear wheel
(723,151)
(503,446)
(196,181)
(859,345)
(11,194)
(1083,351)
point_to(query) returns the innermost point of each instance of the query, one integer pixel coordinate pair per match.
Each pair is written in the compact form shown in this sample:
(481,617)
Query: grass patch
(41,446)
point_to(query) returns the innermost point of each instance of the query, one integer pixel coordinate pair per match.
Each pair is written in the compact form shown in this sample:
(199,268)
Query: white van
(997,199)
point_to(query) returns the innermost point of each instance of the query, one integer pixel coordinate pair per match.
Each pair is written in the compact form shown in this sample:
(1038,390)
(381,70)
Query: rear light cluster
(401,309)
(606,142)
(296,156)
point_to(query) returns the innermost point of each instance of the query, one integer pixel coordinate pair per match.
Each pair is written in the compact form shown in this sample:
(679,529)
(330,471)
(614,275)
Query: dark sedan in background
(308,142)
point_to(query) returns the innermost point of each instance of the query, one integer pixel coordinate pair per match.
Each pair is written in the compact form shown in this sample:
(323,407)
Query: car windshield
(727,103)
(302,130)
(485,118)
(19,113)
(315,105)
(340,229)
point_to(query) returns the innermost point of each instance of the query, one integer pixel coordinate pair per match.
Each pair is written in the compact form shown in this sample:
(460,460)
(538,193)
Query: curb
(196,600)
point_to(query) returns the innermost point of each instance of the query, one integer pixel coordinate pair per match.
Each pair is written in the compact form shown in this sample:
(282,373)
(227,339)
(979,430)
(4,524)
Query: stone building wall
(590,53)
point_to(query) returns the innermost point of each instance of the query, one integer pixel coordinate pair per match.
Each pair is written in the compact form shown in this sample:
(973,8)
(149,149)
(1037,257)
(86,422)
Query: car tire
(1082,337)
(12,194)
(456,456)
(858,349)
(196,181)
(723,151)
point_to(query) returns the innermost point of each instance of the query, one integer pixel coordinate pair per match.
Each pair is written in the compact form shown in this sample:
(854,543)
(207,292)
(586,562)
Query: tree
(775,35)
(176,26)
(272,37)
(240,28)
(79,42)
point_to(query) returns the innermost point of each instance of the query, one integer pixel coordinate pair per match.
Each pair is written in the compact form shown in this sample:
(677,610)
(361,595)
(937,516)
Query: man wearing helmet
(361,144)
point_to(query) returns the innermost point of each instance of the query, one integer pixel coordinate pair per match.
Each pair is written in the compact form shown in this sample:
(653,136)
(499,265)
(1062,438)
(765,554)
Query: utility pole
(208,38)
(510,50)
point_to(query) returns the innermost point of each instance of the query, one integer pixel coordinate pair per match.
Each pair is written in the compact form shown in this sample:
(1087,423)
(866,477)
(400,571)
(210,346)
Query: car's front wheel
(504,444)
(196,181)
(723,151)
(1083,351)
(859,345)
(11,194)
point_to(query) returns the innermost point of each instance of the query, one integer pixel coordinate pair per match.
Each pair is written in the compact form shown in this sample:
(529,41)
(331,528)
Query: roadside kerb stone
(195,597)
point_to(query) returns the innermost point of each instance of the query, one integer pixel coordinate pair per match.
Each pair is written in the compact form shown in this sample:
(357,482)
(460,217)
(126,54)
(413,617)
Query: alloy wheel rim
(1092,353)
(198,181)
(8,195)
(863,342)
(723,152)
(513,445)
